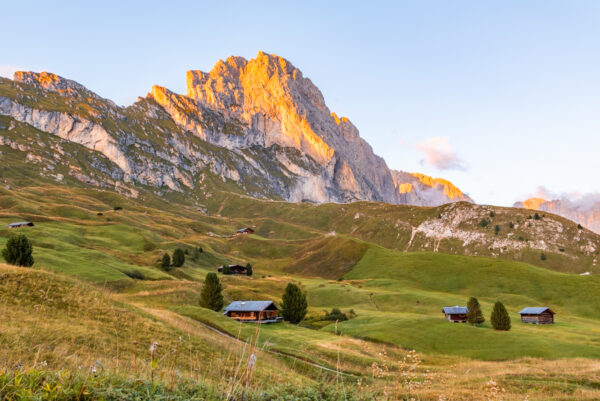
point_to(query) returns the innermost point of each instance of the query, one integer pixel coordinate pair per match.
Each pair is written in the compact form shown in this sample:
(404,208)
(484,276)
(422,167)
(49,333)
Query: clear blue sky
(499,97)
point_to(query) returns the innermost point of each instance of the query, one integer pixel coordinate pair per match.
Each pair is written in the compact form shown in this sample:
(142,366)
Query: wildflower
(251,361)
(153,346)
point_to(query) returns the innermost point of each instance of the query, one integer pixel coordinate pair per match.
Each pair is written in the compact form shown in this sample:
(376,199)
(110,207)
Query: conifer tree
(474,314)
(293,305)
(178,257)
(166,262)
(18,251)
(211,296)
(248,269)
(500,318)
(226,269)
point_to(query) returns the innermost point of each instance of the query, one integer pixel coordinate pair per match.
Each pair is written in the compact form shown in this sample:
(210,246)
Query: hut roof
(21,223)
(248,306)
(241,230)
(535,310)
(455,310)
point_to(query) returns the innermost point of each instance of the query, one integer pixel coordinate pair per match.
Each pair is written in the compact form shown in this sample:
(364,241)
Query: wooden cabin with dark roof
(253,311)
(456,314)
(233,269)
(537,315)
(245,230)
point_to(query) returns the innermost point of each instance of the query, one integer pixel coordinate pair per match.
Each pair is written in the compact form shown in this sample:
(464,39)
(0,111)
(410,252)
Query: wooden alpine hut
(253,311)
(537,315)
(456,314)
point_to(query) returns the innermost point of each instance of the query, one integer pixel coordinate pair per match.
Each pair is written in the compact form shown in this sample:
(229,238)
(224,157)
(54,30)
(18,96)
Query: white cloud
(7,71)
(437,152)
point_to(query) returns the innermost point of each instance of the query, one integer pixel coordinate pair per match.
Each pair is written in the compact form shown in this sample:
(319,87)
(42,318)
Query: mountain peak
(49,81)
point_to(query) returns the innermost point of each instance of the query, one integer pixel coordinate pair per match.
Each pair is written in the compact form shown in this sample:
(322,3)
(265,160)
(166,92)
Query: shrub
(492,214)
(484,223)
(178,257)
(511,225)
(99,214)
(18,251)
(166,262)
(537,216)
(474,314)
(211,296)
(248,269)
(500,318)
(543,256)
(579,227)
(335,315)
(496,229)
(118,208)
(293,305)
(135,274)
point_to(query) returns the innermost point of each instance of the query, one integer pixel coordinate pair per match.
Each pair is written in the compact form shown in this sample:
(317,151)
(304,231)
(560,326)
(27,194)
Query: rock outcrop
(423,190)
(259,123)
(585,211)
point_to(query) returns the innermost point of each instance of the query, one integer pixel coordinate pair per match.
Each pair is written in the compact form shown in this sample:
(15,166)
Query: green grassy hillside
(96,288)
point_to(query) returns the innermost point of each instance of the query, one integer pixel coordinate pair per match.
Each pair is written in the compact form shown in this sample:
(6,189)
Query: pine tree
(474,314)
(18,251)
(248,269)
(178,257)
(211,296)
(293,305)
(500,318)
(226,269)
(166,262)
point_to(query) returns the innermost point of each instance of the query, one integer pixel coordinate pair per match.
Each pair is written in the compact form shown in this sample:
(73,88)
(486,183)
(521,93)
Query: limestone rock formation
(258,123)
(585,211)
(423,190)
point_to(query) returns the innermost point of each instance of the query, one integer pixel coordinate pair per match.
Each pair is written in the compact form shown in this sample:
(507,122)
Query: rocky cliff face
(585,211)
(423,190)
(258,123)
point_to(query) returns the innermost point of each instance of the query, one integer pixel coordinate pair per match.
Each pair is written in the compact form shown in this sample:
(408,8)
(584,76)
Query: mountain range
(258,126)
(585,210)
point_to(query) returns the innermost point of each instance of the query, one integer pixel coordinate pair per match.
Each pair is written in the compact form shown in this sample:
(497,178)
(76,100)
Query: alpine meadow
(241,241)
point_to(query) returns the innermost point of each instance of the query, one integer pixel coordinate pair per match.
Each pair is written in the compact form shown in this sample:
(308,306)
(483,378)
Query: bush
(500,318)
(178,257)
(511,225)
(543,256)
(196,254)
(135,274)
(18,251)
(492,214)
(537,216)
(211,296)
(166,262)
(293,305)
(335,315)
(248,269)
(579,227)
(99,214)
(118,208)
(474,314)
(484,223)
(496,229)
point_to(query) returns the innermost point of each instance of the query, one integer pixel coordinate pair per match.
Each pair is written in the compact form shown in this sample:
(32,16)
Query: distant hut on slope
(455,314)
(245,230)
(537,315)
(21,224)
(234,269)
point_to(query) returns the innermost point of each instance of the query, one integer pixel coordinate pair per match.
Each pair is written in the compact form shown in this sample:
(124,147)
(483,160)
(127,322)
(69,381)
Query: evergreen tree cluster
(500,318)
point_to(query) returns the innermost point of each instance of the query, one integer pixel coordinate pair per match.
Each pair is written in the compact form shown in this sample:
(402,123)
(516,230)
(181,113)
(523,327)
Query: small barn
(455,314)
(253,311)
(234,269)
(537,315)
(245,230)
(21,224)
